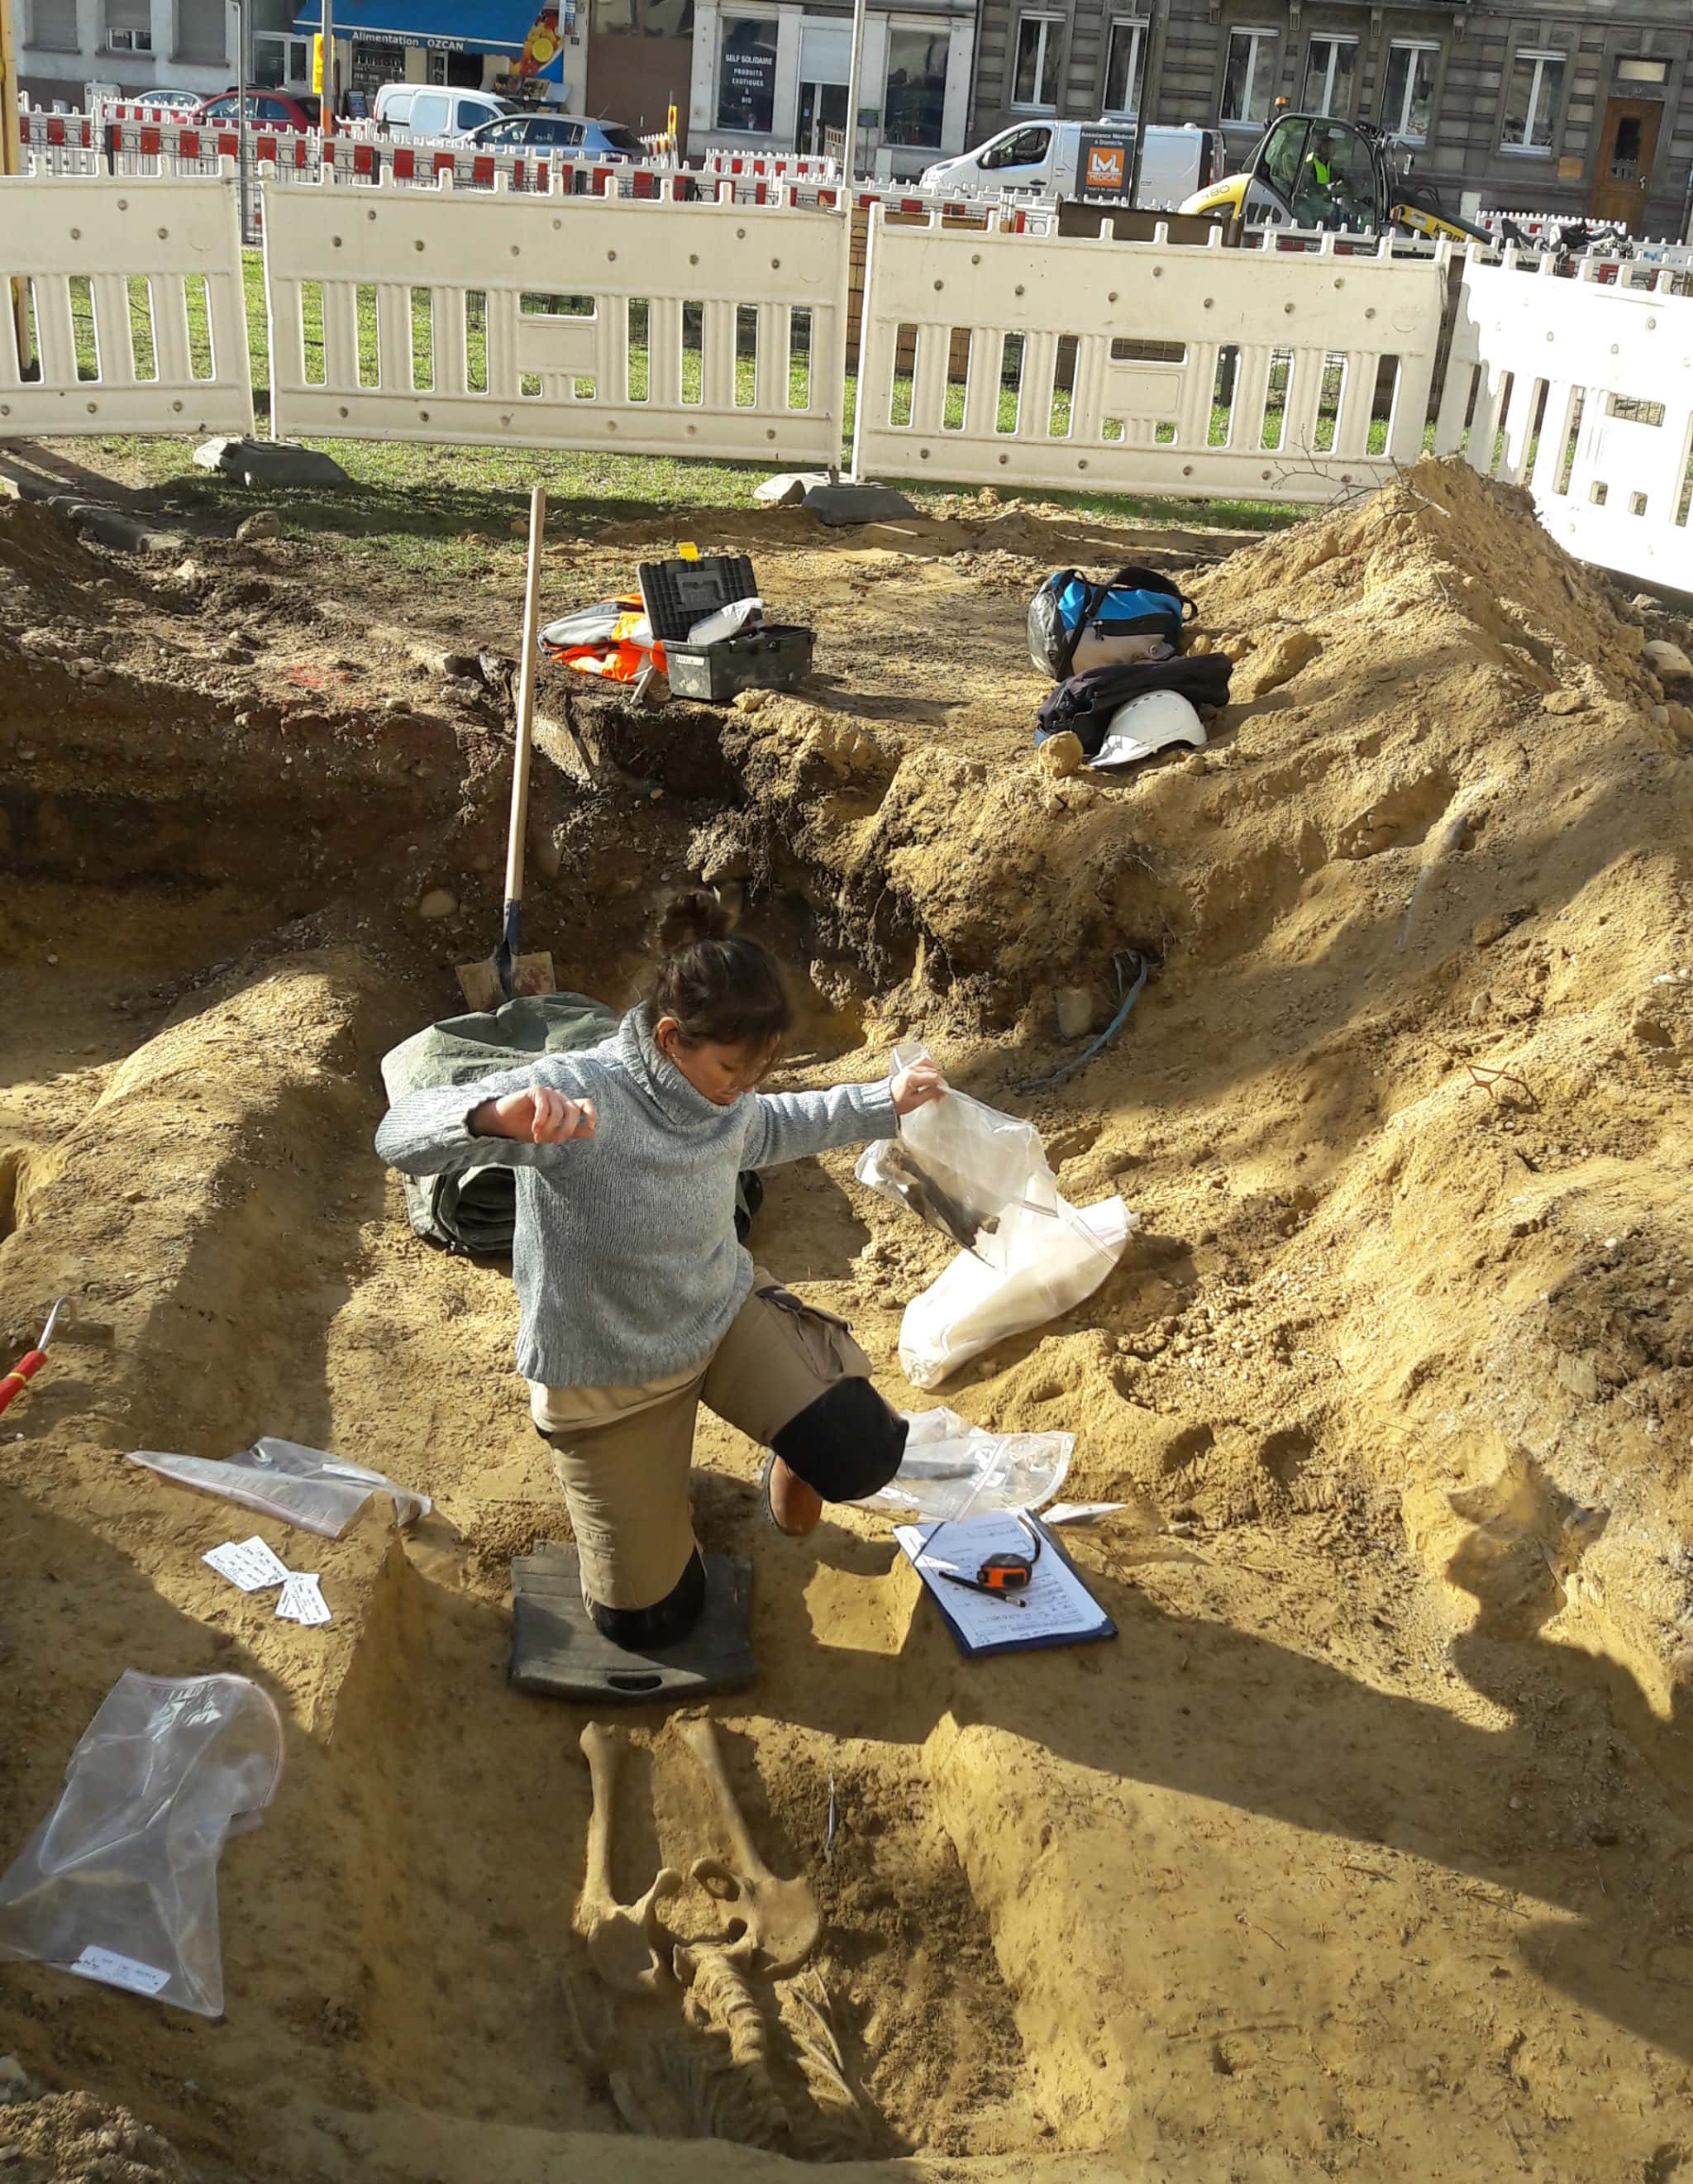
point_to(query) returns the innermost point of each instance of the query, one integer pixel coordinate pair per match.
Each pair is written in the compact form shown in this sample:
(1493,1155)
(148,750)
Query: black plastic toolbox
(777,657)
(677,594)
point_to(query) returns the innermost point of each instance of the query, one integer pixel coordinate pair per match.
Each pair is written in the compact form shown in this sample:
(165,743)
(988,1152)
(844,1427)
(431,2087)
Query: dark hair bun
(696,914)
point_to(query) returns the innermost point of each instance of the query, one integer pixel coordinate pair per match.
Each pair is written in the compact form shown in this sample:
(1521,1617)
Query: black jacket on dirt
(1085,703)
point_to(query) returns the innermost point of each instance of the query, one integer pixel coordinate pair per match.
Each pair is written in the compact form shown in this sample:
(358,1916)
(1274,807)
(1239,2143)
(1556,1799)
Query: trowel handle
(20,1376)
(526,699)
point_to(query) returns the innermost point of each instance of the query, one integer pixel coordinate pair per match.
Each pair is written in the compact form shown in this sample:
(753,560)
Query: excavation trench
(1369,1831)
(214,932)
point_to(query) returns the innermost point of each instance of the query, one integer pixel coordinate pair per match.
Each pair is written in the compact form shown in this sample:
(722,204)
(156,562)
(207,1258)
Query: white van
(435,110)
(1083,160)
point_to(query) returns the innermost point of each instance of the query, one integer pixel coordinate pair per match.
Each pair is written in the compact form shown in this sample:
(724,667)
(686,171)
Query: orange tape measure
(1003,1576)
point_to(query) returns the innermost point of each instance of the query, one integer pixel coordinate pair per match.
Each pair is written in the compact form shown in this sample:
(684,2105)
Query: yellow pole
(12,152)
(11,142)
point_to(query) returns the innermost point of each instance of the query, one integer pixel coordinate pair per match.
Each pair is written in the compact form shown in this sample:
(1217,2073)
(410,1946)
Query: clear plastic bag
(952,1468)
(303,1486)
(1043,1264)
(958,1165)
(119,1883)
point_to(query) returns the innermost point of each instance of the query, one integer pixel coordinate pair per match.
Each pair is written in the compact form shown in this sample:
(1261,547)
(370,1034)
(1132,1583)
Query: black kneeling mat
(558,1653)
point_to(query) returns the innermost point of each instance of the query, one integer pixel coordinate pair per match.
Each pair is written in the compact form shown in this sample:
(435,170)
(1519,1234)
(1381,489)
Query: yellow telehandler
(1314,170)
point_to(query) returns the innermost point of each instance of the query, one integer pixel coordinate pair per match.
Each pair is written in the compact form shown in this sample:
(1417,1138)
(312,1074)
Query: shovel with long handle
(486,984)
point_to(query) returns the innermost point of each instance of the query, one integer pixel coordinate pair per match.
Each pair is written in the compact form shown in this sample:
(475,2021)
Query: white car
(435,111)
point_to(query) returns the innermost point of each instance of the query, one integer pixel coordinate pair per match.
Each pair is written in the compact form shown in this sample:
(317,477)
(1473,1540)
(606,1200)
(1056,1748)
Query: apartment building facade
(1581,107)
(771,76)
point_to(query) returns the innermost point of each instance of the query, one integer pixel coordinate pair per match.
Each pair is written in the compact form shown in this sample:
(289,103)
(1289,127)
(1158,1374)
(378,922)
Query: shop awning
(458,27)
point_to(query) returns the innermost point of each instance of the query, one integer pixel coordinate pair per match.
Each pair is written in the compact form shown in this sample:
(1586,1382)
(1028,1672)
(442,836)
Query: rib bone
(779,1918)
(627,1944)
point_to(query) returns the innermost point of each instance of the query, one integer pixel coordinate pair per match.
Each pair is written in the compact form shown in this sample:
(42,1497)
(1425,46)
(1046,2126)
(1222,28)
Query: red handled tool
(14,1382)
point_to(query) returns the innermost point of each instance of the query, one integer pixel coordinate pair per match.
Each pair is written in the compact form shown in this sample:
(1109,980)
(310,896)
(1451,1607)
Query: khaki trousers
(623,1455)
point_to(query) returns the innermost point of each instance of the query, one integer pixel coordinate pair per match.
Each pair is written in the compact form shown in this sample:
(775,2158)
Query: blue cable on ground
(1105,1038)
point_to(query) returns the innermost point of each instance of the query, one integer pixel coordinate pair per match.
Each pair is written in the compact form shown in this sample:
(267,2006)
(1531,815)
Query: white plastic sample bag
(119,1883)
(1027,1255)
(303,1486)
(1035,1267)
(960,1165)
(952,1468)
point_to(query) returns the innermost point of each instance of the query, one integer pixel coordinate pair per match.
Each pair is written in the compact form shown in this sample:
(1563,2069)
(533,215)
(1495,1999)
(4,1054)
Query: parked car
(270,109)
(166,99)
(560,132)
(436,110)
(1083,158)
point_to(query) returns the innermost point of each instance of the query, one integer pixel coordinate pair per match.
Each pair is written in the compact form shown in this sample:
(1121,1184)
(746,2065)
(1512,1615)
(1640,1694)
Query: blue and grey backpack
(1133,603)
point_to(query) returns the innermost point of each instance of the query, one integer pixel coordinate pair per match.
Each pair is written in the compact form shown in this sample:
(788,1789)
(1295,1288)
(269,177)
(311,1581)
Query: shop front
(770,76)
(431,41)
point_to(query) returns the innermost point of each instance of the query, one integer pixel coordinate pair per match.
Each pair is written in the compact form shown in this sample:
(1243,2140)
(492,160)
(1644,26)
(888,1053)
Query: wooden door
(1628,145)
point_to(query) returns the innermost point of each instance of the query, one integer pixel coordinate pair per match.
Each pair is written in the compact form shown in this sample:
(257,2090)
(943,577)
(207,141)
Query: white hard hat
(1147,724)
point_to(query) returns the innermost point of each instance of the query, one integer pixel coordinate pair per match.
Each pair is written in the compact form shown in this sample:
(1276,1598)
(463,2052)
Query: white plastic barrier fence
(111,347)
(772,166)
(144,149)
(52,162)
(1584,392)
(556,321)
(1113,367)
(106,110)
(1543,228)
(154,146)
(43,132)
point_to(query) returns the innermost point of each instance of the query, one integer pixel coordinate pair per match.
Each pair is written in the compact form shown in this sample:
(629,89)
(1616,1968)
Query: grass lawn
(418,499)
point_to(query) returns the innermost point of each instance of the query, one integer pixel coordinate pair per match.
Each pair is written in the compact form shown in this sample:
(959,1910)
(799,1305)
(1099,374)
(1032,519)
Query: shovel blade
(533,974)
(481,984)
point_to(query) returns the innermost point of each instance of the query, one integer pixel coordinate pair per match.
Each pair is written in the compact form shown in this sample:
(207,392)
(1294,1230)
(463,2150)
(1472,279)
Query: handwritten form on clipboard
(1057,1608)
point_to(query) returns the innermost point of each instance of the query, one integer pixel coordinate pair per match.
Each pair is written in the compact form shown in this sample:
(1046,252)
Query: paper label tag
(1080,1513)
(107,1965)
(302,1600)
(249,1563)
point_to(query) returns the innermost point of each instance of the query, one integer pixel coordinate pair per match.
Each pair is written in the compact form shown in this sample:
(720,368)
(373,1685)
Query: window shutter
(200,31)
(53,25)
(128,14)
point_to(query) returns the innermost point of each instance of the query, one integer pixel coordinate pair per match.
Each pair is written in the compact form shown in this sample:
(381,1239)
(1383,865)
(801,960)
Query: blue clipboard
(975,1620)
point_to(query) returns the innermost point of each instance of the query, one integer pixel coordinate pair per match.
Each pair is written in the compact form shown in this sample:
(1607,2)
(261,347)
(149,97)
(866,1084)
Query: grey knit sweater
(626,1263)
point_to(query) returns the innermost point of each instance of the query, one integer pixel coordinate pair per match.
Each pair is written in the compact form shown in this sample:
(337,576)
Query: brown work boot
(793,1506)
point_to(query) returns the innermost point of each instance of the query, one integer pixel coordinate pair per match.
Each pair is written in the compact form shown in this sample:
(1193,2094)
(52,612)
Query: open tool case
(678,593)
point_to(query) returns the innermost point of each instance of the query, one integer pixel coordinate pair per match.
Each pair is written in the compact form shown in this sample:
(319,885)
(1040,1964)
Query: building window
(1630,70)
(1036,82)
(917,87)
(1531,105)
(1249,78)
(667,19)
(746,76)
(127,27)
(1328,75)
(281,63)
(1409,90)
(377,61)
(202,32)
(1123,66)
(53,25)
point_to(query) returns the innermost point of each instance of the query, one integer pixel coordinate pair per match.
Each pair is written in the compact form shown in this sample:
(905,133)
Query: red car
(269,109)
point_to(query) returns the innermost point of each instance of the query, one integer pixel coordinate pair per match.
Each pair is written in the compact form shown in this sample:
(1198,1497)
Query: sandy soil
(1364,1850)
